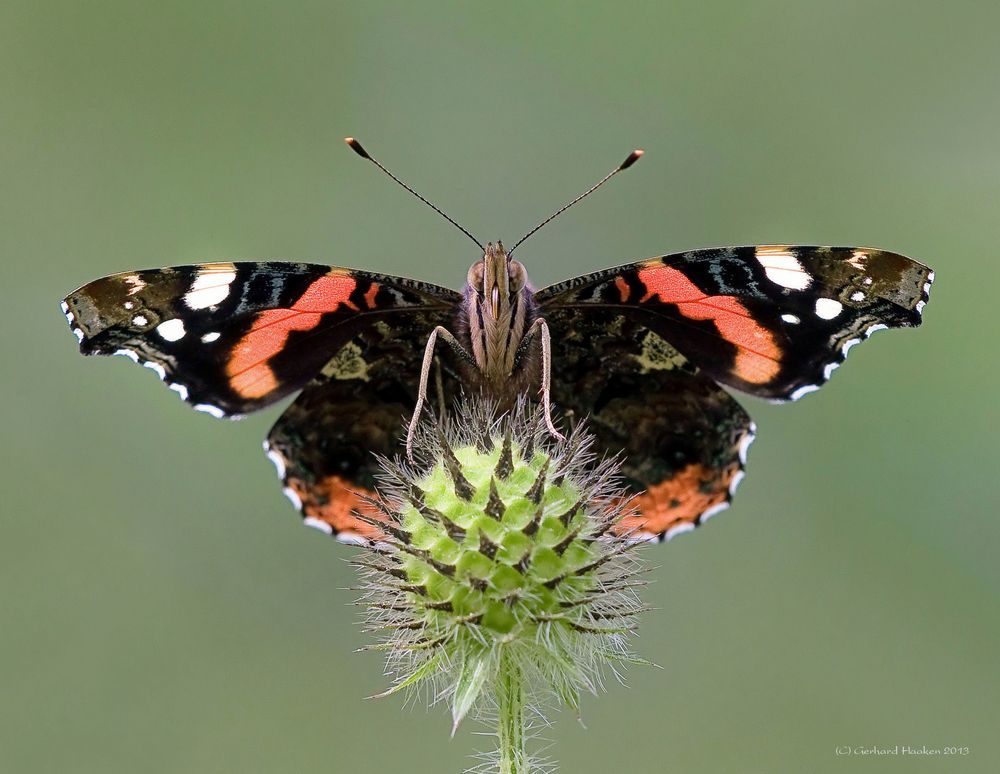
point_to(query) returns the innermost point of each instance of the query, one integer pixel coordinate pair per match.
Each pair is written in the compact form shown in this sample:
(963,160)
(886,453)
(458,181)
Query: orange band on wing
(683,498)
(758,357)
(623,289)
(249,374)
(334,500)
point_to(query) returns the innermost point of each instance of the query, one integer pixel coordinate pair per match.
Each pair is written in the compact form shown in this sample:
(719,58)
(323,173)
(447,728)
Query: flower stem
(510,698)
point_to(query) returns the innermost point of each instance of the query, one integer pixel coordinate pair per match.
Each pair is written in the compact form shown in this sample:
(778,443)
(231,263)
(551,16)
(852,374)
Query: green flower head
(500,557)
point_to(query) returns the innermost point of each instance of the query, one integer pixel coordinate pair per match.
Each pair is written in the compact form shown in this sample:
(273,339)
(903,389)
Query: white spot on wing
(180,389)
(782,267)
(805,389)
(829,368)
(208,408)
(171,330)
(717,508)
(745,443)
(65,307)
(79,334)
(737,479)
(857,295)
(210,286)
(828,308)
(155,368)
(875,329)
(678,529)
(277,460)
(128,305)
(208,338)
(920,306)
(140,320)
(319,524)
(848,345)
(134,357)
(294,498)
(791,318)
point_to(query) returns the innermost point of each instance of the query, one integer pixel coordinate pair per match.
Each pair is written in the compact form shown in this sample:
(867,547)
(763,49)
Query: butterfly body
(504,345)
(497,311)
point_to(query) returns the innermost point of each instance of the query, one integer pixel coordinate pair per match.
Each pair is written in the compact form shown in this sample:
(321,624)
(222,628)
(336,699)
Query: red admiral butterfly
(643,350)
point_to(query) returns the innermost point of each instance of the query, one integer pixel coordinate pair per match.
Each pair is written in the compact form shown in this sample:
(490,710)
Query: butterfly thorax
(498,309)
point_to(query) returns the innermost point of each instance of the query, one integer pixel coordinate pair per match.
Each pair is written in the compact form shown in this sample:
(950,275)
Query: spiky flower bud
(500,559)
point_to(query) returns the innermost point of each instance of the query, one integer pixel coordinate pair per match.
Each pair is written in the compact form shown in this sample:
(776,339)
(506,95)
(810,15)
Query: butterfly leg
(541,327)
(439,387)
(425,372)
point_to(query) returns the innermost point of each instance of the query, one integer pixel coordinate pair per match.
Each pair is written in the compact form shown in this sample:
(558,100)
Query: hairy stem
(510,698)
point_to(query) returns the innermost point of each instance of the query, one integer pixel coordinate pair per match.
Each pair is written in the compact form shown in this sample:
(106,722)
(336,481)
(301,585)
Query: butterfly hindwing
(234,337)
(681,437)
(326,442)
(771,320)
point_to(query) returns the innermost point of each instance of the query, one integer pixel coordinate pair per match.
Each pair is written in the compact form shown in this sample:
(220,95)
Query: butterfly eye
(518,276)
(475,276)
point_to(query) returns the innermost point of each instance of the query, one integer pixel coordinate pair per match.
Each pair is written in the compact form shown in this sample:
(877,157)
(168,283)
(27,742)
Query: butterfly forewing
(234,337)
(770,320)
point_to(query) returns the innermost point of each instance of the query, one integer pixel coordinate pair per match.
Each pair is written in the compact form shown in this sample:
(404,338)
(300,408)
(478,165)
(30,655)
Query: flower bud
(498,554)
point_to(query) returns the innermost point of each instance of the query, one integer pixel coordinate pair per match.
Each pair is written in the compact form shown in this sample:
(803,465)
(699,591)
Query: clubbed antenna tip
(356,146)
(633,157)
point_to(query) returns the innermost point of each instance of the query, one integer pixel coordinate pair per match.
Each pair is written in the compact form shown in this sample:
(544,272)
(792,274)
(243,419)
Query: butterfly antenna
(357,148)
(633,157)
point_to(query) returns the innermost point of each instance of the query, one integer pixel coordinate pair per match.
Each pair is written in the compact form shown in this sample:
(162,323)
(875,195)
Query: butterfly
(644,352)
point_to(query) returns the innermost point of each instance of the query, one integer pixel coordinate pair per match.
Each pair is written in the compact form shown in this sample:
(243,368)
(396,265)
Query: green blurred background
(161,609)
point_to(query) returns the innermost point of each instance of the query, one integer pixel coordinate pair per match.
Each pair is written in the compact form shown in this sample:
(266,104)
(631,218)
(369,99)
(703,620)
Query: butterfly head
(497,280)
